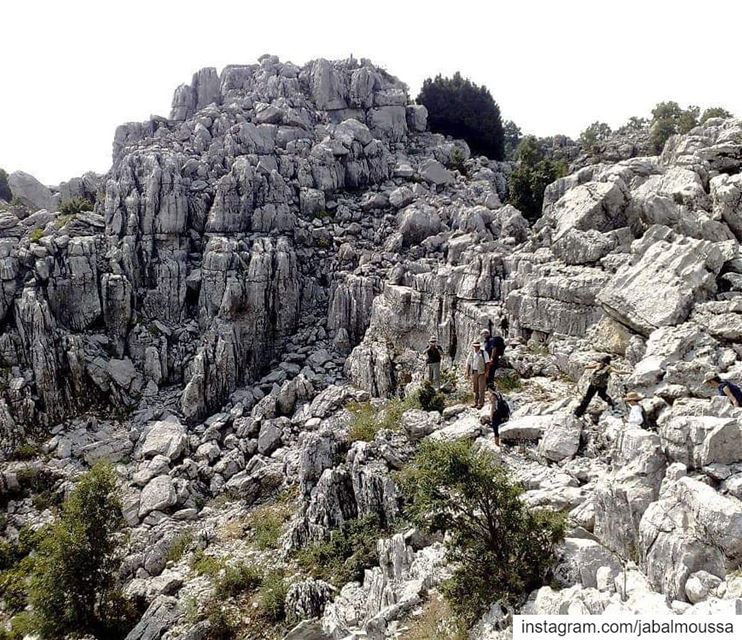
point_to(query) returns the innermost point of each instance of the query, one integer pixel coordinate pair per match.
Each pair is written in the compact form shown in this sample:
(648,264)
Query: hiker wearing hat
(433,358)
(601,373)
(637,415)
(476,369)
(725,388)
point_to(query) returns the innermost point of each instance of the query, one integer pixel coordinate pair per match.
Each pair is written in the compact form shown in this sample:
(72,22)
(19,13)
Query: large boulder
(30,191)
(690,528)
(667,275)
(561,438)
(165,437)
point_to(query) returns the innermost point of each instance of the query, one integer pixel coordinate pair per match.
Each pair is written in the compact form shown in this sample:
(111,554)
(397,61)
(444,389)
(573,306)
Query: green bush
(73,587)
(509,382)
(5,193)
(350,550)
(532,174)
(669,118)
(237,579)
(715,112)
(180,546)
(593,136)
(36,235)
(267,526)
(272,597)
(430,399)
(511,135)
(222,626)
(204,565)
(457,107)
(368,421)
(26,451)
(501,548)
(76,205)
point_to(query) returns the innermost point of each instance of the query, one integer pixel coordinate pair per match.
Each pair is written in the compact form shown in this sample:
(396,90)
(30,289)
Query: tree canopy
(459,108)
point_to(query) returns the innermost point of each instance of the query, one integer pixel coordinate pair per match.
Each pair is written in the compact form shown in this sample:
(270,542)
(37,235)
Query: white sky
(71,71)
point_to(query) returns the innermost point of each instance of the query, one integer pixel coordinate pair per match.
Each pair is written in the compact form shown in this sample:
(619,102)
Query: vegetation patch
(349,551)
(501,549)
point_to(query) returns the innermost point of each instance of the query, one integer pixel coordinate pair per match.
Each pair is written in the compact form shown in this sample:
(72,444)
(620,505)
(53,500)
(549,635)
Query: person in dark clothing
(433,358)
(499,413)
(725,388)
(495,348)
(598,384)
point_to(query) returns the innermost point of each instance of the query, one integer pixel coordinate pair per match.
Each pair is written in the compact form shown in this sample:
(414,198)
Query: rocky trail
(271,260)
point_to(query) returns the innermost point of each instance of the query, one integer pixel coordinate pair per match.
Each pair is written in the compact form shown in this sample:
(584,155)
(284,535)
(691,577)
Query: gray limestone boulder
(166,437)
(30,191)
(677,270)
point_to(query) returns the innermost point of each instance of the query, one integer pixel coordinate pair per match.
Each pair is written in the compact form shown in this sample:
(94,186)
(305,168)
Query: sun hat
(633,396)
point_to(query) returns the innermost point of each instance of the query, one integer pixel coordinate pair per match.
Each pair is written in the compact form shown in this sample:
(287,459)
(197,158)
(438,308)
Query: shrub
(5,193)
(668,118)
(222,626)
(457,107)
(350,550)
(591,137)
(36,235)
(509,382)
(272,597)
(266,524)
(180,546)
(74,206)
(501,549)
(204,565)
(533,173)
(367,421)
(73,587)
(237,579)
(715,112)
(26,451)
(511,136)
(430,399)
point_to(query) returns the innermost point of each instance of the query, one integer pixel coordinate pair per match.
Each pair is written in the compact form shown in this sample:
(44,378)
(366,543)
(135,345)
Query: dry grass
(436,622)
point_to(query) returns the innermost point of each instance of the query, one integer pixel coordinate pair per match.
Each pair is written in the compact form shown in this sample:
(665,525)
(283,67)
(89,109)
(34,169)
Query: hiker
(499,412)
(489,344)
(602,370)
(498,351)
(476,369)
(725,388)
(637,414)
(433,357)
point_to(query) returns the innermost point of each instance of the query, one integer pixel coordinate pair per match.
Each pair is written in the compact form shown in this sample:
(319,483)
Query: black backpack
(503,408)
(499,344)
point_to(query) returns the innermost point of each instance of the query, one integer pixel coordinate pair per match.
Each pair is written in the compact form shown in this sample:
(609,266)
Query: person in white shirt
(476,370)
(637,415)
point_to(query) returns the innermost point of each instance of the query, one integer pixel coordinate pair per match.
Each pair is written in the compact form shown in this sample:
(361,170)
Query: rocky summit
(270,261)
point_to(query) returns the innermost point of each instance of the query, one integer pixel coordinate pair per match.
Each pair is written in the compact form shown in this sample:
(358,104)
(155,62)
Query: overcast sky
(71,71)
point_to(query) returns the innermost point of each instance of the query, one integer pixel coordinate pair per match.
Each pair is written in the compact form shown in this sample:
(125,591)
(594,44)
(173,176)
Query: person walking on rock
(433,357)
(499,413)
(725,388)
(602,370)
(476,370)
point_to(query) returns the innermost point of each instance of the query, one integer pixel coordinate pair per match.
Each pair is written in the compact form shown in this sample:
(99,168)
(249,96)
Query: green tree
(500,547)
(457,107)
(5,193)
(715,112)
(73,588)
(669,118)
(532,174)
(511,136)
(596,133)
(634,123)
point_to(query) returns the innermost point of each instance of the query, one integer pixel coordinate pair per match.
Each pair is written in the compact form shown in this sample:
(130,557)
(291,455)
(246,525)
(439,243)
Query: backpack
(600,376)
(503,408)
(499,345)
